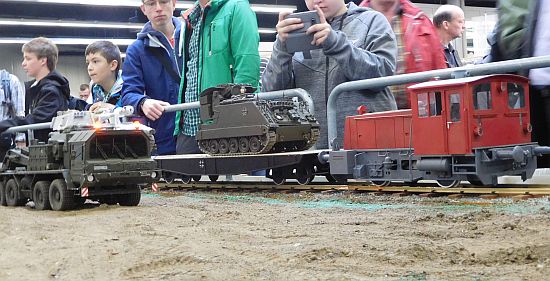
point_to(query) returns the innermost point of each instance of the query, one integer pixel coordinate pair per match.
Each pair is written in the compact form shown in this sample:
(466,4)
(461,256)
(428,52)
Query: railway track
(425,189)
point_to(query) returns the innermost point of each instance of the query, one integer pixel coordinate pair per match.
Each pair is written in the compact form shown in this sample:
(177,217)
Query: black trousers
(540,119)
(187,145)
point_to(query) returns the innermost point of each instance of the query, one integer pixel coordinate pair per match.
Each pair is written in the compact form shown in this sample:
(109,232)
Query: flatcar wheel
(330,178)
(224,146)
(214,146)
(2,195)
(185,179)
(233,145)
(381,183)
(304,175)
(41,195)
(255,144)
(60,198)
(448,183)
(278,176)
(213,178)
(244,145)
(196,178)
(13,194)
(168,177)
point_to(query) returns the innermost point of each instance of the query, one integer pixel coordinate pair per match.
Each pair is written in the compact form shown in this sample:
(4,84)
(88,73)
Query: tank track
(262,144)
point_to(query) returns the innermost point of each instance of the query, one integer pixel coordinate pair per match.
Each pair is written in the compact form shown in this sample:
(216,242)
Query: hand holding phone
(298,40)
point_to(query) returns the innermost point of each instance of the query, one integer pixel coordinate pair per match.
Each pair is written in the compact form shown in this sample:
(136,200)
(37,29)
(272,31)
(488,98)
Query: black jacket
(47,97)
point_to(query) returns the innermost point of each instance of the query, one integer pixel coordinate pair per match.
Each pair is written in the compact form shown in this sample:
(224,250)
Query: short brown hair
(43,48)
(106,49)
(84,87)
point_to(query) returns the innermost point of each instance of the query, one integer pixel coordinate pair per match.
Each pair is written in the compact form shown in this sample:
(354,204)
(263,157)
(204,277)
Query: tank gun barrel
(300,93)
(24,128)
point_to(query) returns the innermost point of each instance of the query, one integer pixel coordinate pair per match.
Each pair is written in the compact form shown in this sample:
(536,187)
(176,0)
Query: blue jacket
(146,77)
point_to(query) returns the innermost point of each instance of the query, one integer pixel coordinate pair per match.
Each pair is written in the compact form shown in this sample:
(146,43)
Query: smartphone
(298,40)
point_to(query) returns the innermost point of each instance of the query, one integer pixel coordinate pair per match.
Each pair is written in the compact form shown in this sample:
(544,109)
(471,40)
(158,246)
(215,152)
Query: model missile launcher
(235,122)
(88,156)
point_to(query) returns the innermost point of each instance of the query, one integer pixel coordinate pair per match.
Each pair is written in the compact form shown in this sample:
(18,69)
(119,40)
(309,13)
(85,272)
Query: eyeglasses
(151,4)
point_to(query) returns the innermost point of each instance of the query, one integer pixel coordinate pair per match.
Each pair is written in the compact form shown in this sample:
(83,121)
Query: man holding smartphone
(356,43)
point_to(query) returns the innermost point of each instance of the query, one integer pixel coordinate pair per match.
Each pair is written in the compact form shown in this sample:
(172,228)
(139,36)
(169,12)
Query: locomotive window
(423,105)
(435,103)
(516,96)
(454,101)
(482,97)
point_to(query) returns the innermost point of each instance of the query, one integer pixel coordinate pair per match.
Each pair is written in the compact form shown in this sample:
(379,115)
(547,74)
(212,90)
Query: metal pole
(468,70)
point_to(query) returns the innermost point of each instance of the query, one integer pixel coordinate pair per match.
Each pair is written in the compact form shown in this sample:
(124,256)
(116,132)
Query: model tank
(235,122)
(87,156)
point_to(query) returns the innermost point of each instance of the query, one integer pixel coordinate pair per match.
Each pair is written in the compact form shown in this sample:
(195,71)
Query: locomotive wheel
(213,178)
(278,176)
(41,195)
(233,145)
(255,144)
(448,183)
(13,194)
(60,198)
(224,146)
(475,181)
(304,175)
(130,199)
(381,183)
(196,178)
(214,146)
(2,195)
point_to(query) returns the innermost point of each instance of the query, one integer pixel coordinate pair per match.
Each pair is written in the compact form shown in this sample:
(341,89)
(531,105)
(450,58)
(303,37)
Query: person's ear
(113,66)
(43,61)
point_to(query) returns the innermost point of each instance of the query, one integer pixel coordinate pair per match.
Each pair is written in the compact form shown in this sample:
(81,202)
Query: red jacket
(422,44)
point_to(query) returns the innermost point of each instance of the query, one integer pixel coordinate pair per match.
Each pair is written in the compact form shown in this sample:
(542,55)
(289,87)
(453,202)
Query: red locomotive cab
(453,117)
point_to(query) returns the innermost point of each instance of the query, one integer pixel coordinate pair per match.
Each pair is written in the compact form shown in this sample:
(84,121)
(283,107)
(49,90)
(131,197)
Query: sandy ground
(274,236)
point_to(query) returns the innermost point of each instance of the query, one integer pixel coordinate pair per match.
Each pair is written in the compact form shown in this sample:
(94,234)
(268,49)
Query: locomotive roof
(465,80)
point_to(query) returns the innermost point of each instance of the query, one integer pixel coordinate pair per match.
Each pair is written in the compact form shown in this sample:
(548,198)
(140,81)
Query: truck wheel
(2,195)
(41,195)
(130,199)
(61,199)
(13,194)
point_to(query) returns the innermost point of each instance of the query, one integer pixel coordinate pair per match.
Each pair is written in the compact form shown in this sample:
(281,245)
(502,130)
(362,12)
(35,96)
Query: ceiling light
(82,24)
(258,8)
(67,41)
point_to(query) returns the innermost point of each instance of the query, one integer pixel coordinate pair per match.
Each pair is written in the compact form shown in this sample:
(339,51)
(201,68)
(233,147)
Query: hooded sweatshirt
(145,76)
(48,96)
(360,46)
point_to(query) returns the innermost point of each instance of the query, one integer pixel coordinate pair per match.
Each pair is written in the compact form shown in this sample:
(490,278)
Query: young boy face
(32,64)
(159,12)
(99,69)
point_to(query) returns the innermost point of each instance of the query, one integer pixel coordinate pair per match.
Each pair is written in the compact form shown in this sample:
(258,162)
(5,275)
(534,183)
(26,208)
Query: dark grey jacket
(361,46)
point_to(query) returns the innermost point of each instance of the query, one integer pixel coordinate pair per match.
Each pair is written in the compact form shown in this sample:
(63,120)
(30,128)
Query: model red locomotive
(474,129)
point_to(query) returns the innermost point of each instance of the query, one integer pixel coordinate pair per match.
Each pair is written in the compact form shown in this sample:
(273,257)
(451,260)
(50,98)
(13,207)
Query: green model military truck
(88,156)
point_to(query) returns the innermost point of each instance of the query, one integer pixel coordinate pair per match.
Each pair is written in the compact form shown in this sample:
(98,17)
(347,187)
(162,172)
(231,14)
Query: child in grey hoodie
(357,43)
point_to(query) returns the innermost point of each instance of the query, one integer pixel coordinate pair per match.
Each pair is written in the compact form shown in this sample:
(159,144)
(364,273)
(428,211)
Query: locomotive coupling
(518,154)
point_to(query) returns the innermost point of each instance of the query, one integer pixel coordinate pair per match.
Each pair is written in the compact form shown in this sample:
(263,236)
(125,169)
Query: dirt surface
(274,236)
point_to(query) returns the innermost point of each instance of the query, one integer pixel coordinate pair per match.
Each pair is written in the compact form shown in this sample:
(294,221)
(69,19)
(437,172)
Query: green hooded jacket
(228,51)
